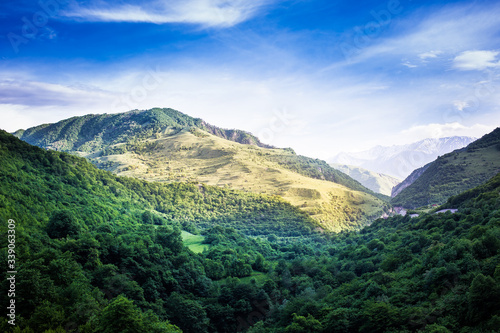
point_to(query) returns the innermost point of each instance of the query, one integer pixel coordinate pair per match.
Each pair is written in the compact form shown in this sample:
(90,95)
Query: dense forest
(101,253)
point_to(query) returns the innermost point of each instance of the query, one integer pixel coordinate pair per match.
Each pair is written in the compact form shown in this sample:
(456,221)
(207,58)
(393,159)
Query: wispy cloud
(453,29)
(416,133)
(36,93)
(409,65)
(429,55)
(476,60)
(207,13)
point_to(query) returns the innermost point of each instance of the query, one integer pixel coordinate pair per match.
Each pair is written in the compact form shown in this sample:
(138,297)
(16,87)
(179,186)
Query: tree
(301,324)
(62,224)
(483,297)
(170,238)
(120,316)
(188,314)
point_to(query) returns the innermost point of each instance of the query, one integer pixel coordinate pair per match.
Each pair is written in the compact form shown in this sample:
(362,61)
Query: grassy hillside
(377,182)
(94,255)
(164,145)
(454,173)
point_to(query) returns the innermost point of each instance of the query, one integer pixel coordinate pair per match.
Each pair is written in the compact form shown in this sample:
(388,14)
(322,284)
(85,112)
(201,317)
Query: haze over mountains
(399,161)
(165,145)
(377,182)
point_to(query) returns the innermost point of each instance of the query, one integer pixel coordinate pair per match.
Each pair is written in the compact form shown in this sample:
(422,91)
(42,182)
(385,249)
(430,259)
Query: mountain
(400,161)
(95,252)
(165,145)
(409,180)
(452,173)
(374,181)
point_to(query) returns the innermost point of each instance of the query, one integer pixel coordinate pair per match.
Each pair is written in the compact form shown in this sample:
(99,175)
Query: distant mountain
(165,145)
(376,182)
(452,173)
(401,160)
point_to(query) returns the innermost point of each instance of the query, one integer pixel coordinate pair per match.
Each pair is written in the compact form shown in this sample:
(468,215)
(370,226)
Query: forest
(100,253)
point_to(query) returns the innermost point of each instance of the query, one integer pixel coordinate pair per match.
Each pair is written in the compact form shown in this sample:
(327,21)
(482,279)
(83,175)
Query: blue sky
(318,76)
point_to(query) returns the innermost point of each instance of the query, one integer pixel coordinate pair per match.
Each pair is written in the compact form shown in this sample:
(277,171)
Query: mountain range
(451,174)
(165,145)
(374,181)
(399,161)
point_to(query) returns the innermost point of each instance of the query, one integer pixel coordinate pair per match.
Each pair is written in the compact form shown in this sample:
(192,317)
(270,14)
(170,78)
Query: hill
(165,145)
(93,254)
(400,161)
(453,173)
(374,181)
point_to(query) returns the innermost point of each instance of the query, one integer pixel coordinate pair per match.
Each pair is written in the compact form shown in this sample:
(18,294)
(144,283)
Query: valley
(111,253)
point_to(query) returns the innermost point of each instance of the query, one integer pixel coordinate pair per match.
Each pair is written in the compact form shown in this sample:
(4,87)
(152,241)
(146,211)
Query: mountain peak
(92,131)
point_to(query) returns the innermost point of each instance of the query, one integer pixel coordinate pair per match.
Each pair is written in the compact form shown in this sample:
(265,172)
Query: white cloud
(420,132)
(461,105)
(409,65)
(208,13)
(430,54)
(476,60)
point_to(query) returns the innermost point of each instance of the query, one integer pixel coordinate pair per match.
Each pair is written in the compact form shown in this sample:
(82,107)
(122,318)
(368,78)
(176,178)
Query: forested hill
(454,173)
(165,145)
(100,253)
(93,132)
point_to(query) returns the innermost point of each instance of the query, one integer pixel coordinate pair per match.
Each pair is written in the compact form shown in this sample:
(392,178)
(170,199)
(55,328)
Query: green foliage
(122,316)
(62,224)
(303,324)
(125,267)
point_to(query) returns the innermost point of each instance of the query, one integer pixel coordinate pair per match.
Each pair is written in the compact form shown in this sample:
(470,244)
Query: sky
(321,77)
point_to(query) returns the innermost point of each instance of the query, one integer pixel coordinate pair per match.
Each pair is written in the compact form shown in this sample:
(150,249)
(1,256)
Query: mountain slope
(165,145)
(409,180)
(374,181)
(400,160)
(454,173)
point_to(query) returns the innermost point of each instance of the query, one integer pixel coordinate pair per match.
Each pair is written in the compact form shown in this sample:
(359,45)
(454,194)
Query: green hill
(165,145)
(377,182)
(453,173)
(99,253)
